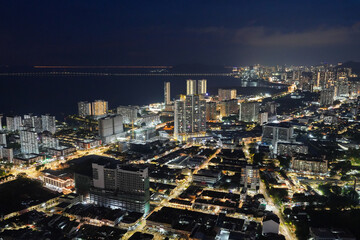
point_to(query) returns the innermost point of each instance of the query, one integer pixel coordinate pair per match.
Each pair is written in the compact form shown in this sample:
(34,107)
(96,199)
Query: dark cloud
(172,32)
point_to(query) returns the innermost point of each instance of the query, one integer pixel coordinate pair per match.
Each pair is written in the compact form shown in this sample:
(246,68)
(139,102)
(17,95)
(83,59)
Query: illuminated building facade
(48,123)
(189,116)
(226,94)
(99,108)
(121,186)
(84,109)
(13,123)
(202,87)
(167,93)
(29,142)
(250,178)
(211,113)
(249,111)
(190,87)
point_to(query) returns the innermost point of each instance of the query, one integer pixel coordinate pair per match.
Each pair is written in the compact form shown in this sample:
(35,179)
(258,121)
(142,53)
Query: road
(174,193)
(284,229)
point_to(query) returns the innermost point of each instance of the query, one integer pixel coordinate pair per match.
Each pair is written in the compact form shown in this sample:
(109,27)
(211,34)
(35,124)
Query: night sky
(106,32)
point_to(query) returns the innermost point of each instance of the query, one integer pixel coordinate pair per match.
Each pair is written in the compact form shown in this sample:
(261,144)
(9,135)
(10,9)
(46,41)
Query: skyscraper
(249,111)
(167,93)
(190,87)
(202,87)
(189,116)
(48,123)
(1,116)
(99,108)
(28,141)
(84,109)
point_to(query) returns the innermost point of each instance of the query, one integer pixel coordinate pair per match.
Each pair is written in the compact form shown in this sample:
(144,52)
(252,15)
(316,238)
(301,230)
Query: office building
(84,109)
(110,128)
(29,142)
(166,93)
(249,111)
(250,178)
(190,87)
(99,108)
(48,123)
(327,97)
(128,113)
(211,113)
(189,116)
(202,88)
(13,123)
(274,133)
(121,186)
(226,94)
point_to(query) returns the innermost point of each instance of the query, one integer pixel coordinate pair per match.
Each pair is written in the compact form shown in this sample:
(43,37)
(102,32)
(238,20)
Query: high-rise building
(211,113)
(190,87)
(167,93)
(49,141)
(48,123)
(327,97)
(226,94)
(128,113)
(250,178)
(84,109)
(3,139)
(263,118)
(202,88)
(189,115)
(249,111)
(229,107)
(29,142)
(33,122)
(13,123)
(121,186)
(1,116)
(7,153)
(99,108)
(270,108)
(274,133)
(110,128)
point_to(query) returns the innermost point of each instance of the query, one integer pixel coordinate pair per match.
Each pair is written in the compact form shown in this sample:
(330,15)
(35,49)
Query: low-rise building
(307,164)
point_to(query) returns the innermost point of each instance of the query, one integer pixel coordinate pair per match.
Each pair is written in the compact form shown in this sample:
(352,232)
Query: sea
(57,93)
